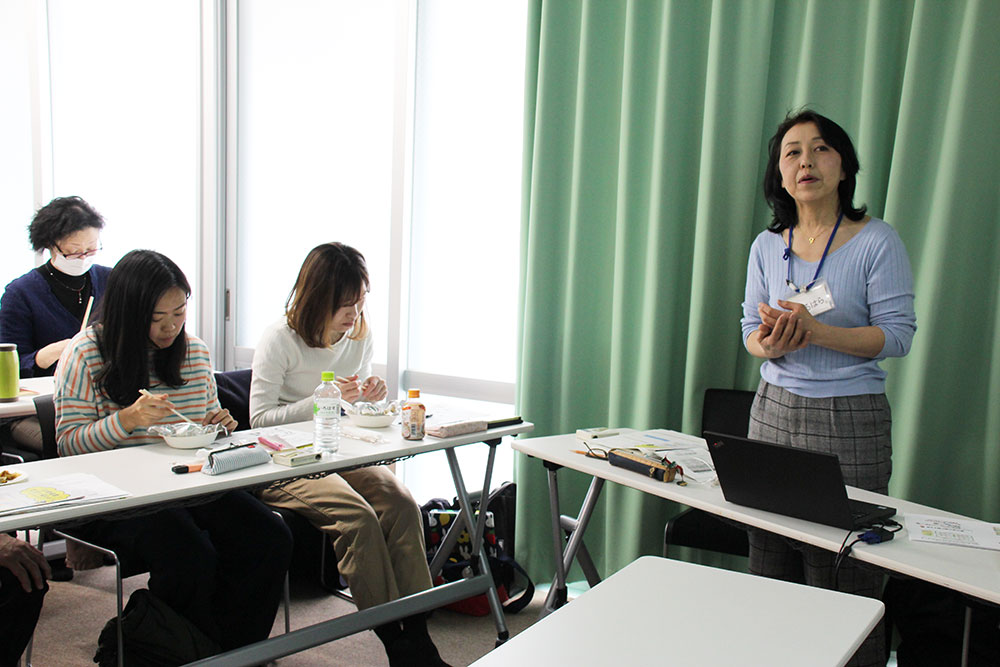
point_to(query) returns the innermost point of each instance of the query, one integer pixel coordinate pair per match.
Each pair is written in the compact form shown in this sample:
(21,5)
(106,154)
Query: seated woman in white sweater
(371,518)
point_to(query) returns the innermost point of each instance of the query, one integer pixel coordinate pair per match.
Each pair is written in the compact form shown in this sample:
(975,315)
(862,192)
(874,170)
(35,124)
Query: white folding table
(656,611)
(145,473)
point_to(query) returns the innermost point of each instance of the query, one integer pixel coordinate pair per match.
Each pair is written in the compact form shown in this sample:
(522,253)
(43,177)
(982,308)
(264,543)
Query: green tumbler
(10,375)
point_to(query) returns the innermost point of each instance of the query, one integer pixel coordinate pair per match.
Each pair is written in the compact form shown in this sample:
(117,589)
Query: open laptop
(785,480)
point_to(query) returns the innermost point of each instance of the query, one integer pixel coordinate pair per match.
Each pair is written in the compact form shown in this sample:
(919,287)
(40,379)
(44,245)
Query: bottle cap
(328,376)
(413,393)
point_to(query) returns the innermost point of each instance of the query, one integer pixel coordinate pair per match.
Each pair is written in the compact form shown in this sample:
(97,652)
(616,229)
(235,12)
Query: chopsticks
(86,313)
(146,392)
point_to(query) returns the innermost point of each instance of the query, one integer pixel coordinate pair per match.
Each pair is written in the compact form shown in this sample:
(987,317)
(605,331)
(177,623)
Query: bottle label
(413,421)
(325,408)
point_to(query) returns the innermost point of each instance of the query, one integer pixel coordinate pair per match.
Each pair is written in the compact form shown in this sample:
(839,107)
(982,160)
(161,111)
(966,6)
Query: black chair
(46,412)
(723,411)
(312,554)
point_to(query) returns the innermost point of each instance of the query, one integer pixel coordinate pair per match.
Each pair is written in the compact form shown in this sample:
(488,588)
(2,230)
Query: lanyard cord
(788,257)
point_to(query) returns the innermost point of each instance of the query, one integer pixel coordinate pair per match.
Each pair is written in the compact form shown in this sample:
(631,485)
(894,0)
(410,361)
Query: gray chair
(723,411)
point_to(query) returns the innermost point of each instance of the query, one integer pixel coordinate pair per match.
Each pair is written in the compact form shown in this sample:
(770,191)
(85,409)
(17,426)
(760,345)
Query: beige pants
(375,527)
(27,433)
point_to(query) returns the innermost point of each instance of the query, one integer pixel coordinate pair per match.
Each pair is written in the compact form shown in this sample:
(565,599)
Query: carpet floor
(75,611)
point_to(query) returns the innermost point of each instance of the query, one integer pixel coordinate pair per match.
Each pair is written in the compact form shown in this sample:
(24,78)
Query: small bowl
(372,421)
(183,435)
(190,441)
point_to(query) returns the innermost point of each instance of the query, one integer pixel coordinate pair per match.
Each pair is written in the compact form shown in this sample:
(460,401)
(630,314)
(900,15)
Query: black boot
(425,653)
(397,647)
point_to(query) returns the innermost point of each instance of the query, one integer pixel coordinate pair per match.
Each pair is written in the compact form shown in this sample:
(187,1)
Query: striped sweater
(88,421)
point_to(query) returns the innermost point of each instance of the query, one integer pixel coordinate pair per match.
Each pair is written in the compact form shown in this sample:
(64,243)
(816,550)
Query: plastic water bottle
(326,414)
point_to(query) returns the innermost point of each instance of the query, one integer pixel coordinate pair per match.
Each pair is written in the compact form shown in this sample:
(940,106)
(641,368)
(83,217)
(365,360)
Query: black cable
(840,556)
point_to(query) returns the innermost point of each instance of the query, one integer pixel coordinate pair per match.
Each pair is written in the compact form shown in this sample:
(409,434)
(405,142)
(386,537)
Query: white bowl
(190,441)
(372,421)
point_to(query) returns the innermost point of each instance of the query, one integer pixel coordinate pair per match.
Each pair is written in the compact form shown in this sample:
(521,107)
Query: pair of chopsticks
(86,313)
(146,392)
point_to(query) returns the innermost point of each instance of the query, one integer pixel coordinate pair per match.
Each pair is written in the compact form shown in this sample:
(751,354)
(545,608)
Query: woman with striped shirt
(222,563)
(829,295)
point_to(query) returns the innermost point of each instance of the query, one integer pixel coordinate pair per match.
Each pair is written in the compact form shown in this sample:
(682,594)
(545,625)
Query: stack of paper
(72,489)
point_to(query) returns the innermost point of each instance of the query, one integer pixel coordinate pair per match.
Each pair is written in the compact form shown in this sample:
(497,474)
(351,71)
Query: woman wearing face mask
(220,563)
(44,308)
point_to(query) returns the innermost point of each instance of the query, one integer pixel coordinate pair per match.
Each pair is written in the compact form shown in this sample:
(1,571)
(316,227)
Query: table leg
(966,631)
(476,530)
(564,558)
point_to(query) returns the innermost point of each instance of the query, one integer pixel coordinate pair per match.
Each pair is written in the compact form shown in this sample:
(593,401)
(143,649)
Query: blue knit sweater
(32,317)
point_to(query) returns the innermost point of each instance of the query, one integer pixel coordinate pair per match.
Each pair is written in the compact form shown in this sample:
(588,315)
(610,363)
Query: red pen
(181,469)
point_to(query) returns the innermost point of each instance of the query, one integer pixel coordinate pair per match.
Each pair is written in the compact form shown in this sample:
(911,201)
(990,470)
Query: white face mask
(71,267)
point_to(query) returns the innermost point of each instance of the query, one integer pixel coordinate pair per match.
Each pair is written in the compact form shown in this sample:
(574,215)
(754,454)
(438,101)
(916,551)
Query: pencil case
(234,458)
(648,464)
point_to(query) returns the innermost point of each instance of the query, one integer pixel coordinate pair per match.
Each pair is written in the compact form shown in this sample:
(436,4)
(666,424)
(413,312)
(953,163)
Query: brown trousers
(375,527)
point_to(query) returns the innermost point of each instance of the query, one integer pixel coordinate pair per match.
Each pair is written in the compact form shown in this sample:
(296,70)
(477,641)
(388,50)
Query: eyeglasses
(80,255)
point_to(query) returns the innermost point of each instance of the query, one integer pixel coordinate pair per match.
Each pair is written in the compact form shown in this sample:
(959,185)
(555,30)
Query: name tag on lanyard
(817,299)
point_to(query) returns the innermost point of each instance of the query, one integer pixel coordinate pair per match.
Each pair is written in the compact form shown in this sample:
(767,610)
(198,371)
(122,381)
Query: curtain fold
(646,125)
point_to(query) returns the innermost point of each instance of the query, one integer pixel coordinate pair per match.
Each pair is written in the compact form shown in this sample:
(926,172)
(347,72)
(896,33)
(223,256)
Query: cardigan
(32,317)
(872,285)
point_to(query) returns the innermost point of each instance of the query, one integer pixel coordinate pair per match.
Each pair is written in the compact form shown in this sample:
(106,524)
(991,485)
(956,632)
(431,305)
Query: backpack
(153,634)
(512,582)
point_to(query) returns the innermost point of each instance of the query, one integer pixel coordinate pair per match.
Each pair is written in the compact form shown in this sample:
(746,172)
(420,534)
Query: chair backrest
(234,394)
(727,411)
(45,409)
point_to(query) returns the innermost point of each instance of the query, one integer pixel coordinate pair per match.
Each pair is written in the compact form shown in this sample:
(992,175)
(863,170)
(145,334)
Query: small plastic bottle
(414,414)
(326,414)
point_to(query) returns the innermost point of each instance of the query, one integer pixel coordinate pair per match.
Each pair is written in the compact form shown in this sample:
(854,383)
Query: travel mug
(10,375)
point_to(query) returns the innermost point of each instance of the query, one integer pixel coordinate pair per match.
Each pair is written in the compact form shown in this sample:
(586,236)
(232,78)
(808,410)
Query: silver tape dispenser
(235,457)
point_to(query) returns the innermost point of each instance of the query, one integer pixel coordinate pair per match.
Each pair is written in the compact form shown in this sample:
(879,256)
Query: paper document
(659,439)
(957,532)
(72,489)
(292,437)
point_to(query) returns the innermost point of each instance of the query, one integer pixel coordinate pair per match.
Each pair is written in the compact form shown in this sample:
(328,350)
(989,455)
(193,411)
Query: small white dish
(372,421)
(17,480)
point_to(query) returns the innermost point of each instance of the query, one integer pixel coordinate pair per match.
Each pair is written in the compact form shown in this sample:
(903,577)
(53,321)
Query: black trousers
(18,615)
(221,564)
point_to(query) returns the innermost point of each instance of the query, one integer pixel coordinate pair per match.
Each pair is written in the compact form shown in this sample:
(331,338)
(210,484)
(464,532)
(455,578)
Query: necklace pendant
(811,239)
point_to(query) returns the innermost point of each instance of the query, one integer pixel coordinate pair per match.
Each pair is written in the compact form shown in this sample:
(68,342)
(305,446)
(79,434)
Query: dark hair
(58,219)
(134,287)
(781,203)
(333,275)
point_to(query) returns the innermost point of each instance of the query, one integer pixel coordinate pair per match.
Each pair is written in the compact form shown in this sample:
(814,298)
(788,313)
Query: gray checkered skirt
(858,429)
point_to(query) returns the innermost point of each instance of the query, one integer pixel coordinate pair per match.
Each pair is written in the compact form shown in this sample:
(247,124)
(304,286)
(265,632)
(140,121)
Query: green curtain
(646,125)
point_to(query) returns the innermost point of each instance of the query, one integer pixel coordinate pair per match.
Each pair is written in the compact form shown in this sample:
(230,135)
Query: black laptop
(785,480)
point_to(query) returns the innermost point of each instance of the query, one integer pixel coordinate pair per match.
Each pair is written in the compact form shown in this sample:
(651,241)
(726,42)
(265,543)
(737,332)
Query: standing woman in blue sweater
(44,308)
(829,295)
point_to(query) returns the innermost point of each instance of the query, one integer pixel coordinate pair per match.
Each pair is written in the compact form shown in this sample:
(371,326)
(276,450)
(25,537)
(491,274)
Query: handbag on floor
(153,634)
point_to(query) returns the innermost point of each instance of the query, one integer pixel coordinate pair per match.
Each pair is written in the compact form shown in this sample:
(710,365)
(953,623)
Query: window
(18,130)
(315,116)
(394,126)
(125,115)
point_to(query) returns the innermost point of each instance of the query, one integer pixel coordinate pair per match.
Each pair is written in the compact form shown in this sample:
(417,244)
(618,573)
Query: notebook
(789,481)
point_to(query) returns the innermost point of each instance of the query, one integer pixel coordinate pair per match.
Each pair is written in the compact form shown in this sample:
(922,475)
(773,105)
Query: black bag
(154,635)
(513,584)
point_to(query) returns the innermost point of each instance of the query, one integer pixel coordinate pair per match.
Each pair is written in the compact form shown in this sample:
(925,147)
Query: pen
(181,469)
